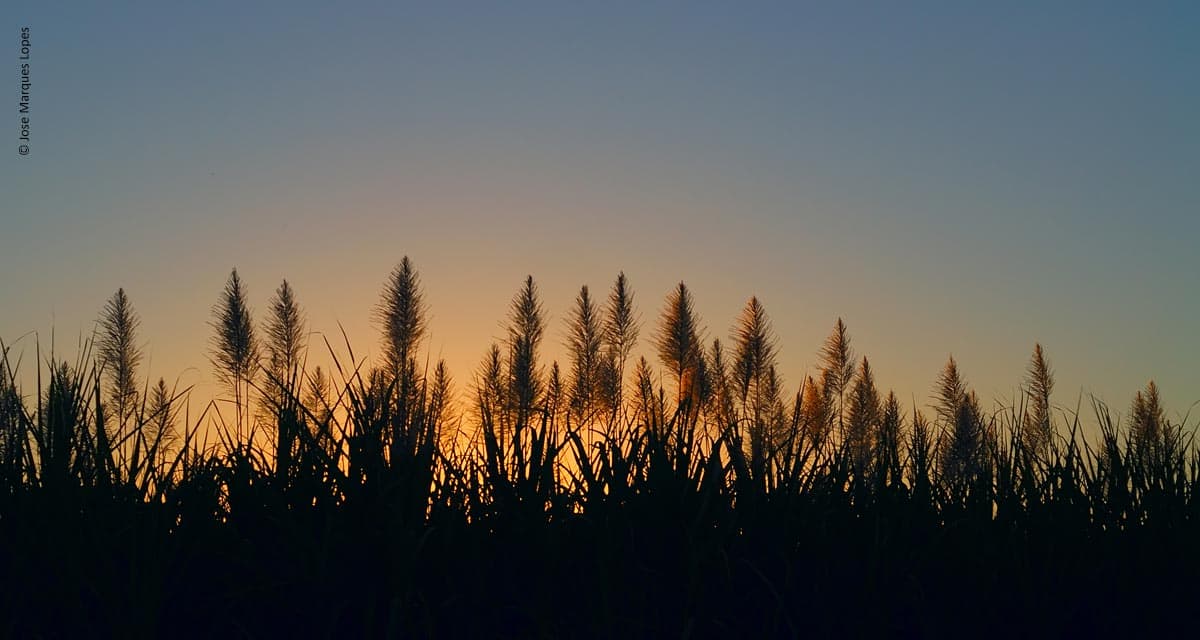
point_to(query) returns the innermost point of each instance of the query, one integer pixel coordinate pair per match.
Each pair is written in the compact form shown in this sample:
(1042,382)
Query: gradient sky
(947,178)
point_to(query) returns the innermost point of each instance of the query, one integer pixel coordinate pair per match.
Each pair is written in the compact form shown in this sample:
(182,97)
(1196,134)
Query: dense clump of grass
(366,501)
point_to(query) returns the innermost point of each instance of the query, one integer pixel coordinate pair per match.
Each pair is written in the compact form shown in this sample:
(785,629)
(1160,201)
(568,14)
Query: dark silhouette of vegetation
(584,345)
(678,344)
(119,357)
(620,335)
(365,501)
(1037,430)
(235,348)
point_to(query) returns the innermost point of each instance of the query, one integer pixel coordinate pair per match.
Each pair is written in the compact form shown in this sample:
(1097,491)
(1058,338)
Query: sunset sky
(948,179)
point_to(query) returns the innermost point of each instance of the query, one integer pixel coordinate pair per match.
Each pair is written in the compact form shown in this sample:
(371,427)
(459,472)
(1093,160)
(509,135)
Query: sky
(949,178)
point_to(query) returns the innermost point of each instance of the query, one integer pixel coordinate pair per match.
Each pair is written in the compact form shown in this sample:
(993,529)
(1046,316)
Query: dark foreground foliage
(583,505)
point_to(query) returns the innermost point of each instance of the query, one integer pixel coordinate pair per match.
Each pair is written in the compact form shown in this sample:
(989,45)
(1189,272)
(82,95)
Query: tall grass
(366,501)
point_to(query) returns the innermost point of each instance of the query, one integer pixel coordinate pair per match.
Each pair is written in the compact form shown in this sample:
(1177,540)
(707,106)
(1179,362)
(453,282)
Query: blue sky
(947,178)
